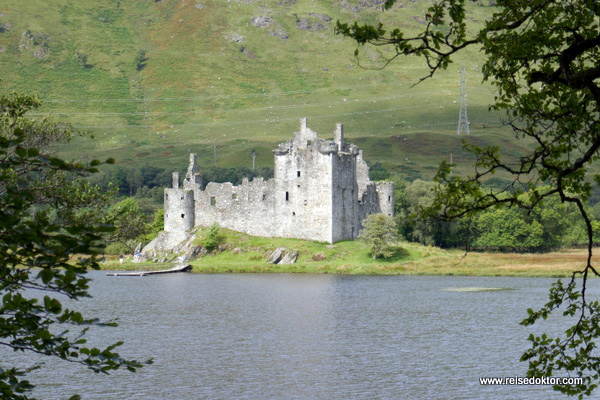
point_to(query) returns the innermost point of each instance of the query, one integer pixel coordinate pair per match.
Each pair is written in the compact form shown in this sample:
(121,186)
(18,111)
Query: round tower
(385,191)
(179,210)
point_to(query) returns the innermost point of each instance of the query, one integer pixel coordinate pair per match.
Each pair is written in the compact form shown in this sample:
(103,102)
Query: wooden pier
(178,268)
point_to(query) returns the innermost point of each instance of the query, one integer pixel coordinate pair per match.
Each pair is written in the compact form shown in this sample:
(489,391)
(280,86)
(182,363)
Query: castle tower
(179,208)
(385,192)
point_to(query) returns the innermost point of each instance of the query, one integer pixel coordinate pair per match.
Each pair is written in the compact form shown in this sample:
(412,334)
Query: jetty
(178,268)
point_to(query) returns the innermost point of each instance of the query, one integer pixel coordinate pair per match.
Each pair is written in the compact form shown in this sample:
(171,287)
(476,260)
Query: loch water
(284,336)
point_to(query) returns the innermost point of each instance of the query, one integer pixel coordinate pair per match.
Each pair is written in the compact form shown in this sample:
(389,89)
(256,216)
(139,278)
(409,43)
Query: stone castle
(320,191)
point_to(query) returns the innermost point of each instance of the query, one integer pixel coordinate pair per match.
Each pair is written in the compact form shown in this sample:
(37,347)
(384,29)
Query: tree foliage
(380,233)
(38,264)
(543,58)
(129,223)
(213,238)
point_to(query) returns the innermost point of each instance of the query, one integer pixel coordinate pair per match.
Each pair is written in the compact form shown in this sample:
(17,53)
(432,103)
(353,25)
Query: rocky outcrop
(314,22)
(192,253)
(37,43)
(281,255)
(264,21)
(289,257)
(361,5)
(306,24)
(5,26)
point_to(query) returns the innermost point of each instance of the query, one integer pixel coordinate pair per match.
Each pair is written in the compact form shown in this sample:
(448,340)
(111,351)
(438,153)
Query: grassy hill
(156,79)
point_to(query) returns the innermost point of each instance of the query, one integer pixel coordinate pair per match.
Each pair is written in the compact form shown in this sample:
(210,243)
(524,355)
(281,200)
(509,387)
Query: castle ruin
(320,191)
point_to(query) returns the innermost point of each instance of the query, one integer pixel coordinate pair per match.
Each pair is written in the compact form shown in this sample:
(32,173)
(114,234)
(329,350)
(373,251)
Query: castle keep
(321,191)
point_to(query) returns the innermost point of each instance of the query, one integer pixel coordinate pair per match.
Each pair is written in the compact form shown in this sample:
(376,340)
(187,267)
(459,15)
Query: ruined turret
(193,179)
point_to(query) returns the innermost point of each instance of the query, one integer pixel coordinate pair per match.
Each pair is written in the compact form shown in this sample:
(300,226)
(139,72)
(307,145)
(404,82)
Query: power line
(187,98)
(234,96)
(267,108)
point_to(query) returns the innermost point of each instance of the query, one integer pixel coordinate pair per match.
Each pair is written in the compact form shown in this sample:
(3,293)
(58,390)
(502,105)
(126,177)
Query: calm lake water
(307,337)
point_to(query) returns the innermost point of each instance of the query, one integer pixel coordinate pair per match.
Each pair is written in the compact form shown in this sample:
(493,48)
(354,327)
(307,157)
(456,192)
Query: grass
(241,253)
(200,88)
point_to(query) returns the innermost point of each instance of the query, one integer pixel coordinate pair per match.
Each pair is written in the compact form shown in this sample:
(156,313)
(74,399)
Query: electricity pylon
(463,120)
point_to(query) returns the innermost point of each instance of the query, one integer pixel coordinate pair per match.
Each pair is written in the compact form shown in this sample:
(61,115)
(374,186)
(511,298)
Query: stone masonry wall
(179,210)
(303,187)
(249,207)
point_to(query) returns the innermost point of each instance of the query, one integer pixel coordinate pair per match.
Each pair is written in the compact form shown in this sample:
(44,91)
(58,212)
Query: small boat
(178,268)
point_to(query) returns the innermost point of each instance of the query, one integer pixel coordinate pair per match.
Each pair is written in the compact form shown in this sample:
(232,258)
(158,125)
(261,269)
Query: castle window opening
(166,197)
(389,198)
(298,173)
(182,215)
(294,213)
(287,196)
(234,196)
(213,201)
(264,197)
(181,197)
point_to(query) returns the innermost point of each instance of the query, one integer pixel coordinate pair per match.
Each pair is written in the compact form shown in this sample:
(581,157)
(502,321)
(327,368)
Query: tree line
(551,225)
(131,180)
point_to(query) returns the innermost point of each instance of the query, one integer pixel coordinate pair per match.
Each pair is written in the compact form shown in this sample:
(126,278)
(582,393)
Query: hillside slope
(156,79)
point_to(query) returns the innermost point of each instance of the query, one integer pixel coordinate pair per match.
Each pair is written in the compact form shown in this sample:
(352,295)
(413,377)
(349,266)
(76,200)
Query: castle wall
(249,207)
(344,189)
(362,173)
(368,203)
(344,198)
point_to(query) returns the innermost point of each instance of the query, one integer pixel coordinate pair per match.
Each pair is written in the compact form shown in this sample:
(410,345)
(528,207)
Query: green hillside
(156,79)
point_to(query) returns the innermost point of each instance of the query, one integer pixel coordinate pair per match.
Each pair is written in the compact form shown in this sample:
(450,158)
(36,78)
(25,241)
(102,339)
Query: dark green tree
(507,230)
(543,58)
(158,223)
(38,255)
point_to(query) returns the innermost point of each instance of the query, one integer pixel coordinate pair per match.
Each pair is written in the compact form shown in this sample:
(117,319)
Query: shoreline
(415,260)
